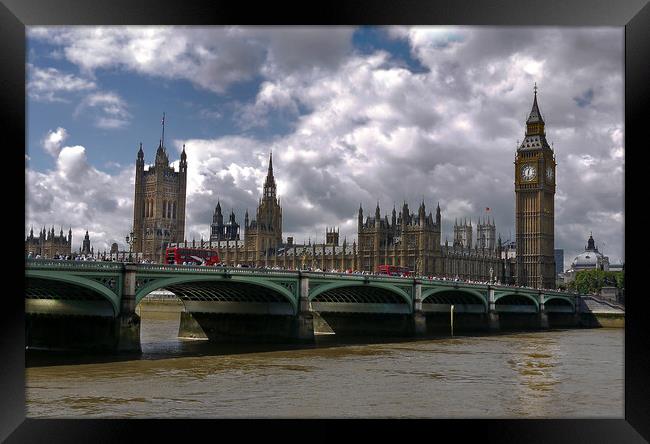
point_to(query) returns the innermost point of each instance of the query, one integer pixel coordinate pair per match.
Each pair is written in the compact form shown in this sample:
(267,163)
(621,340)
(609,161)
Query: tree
(592,281)
(620,280)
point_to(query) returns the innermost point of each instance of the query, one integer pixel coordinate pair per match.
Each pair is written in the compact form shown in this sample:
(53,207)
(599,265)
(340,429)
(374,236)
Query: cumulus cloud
(108,108)
(77,195)
(212,58)
(49,84)
(53,140)
(367,128)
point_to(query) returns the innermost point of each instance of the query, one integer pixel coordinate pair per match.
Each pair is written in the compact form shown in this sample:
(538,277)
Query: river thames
(551,374)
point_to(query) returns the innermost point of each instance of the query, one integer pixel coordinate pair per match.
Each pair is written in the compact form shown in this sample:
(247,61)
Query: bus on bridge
(193,256)
(393,270)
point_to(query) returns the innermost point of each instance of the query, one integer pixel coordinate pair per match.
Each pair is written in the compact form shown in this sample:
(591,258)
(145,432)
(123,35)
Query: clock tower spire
(535,204)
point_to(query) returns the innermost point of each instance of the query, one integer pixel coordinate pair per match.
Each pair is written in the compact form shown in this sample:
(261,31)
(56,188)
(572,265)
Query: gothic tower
(216,227)
(463,234)
(332,236)
(159,203)
(486,234)
(85,246)
(535,205)
(264,233)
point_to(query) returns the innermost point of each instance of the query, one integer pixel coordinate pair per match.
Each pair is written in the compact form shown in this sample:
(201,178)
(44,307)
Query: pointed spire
(269,182)
(535,115)
(162,139)
(161,156)
(140,153)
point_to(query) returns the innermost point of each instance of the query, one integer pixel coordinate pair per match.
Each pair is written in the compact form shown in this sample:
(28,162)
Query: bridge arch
(516,299)
(78,281)
(330,287)
(558,301)
(432,294)
(232,284)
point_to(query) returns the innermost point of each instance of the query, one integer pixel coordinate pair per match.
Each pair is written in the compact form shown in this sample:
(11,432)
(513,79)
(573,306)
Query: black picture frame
(633,14)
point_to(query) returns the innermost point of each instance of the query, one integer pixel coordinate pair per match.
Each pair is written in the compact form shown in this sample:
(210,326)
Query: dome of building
(588,259)
(591,258)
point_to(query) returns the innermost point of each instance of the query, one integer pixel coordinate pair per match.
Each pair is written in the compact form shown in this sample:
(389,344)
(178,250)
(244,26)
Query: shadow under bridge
(464,301)
(230,296)
(44,295)
(360,298)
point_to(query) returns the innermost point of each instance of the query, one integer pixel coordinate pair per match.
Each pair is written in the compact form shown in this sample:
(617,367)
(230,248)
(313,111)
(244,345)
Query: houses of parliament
(407,238)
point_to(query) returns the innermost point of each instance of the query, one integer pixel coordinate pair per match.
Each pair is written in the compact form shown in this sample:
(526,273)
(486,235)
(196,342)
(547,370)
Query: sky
(353,115)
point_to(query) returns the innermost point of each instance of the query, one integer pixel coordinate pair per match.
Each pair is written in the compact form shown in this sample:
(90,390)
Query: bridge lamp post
(130,240)
(491,272)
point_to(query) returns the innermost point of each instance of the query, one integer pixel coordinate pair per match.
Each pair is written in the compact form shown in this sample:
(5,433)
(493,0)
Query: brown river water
(552,374)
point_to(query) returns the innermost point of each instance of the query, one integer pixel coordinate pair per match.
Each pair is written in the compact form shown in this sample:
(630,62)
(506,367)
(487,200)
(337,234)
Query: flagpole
(163,131)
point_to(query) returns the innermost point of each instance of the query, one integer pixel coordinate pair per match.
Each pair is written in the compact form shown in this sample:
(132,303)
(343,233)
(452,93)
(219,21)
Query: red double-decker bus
(195,256)
(393,270)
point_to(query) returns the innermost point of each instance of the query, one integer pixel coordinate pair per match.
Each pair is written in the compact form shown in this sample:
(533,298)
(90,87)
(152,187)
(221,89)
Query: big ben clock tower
(534,205)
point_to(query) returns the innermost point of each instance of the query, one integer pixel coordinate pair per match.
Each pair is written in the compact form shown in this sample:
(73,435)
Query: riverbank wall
(596,312)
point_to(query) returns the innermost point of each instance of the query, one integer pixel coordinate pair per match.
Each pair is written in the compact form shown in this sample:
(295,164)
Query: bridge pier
(304,323)
(127,323)
(543,316)
(65,332)
(419,319)
(238,327)
(189,327)
(493,315)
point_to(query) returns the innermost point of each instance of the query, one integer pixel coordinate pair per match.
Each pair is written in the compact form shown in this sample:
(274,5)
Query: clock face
(528,172)
(549,173)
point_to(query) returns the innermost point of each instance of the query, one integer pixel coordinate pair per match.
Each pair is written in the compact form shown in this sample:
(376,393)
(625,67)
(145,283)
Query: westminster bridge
(93,304)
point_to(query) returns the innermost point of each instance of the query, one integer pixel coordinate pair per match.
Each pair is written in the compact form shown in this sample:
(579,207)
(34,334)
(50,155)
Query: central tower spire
(535,122)
(269,183)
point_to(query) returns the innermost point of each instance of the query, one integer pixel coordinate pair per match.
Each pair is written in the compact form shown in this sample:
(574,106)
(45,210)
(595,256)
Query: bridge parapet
(214,270)
(73,265)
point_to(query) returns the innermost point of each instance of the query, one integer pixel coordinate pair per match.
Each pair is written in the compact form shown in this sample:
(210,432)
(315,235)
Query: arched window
(164,212)
(169,210)
(174,212)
